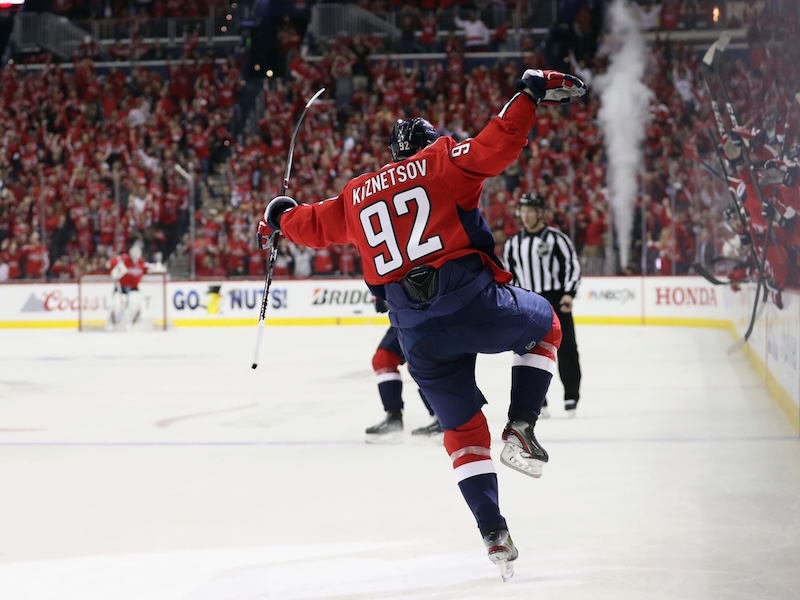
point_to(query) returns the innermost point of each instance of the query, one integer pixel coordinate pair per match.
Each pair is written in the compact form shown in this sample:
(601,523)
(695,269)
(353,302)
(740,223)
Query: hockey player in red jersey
(127,271)
(427,250)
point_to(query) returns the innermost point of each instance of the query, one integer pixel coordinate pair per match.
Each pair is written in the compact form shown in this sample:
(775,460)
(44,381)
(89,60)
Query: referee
(543,259)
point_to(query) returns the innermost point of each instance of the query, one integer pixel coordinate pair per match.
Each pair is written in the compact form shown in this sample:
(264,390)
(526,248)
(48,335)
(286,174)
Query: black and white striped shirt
(543,262)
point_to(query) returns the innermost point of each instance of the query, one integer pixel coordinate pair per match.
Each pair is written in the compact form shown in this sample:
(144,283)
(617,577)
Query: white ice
(160,466)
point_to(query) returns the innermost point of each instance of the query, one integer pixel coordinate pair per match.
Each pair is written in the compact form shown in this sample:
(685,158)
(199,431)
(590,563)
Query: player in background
(386,362)
(127,271)
(427,250)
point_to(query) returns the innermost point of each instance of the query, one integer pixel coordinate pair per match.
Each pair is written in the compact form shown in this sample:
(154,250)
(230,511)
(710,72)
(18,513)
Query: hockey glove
(381,305)
(777,172)
(270,227)
(551,87)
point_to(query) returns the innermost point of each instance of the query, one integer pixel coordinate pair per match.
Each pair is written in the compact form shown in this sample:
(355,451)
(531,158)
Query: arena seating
(87,155)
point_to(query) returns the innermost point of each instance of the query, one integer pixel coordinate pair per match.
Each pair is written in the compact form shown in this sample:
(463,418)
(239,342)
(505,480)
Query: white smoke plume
(624,103)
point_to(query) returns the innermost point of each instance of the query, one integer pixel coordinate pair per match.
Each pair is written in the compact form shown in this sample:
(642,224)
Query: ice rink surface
(160,466)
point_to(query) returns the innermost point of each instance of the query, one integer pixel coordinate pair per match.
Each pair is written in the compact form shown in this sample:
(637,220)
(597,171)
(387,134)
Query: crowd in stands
(87,159)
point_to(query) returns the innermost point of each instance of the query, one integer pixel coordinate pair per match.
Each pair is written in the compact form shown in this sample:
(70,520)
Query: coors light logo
(57,301)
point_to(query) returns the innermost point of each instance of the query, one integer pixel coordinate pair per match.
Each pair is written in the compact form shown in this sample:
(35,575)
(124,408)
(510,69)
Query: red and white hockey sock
(469,449)
(390,383)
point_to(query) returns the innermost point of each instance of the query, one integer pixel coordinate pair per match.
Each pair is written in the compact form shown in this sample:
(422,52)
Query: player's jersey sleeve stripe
(508,104)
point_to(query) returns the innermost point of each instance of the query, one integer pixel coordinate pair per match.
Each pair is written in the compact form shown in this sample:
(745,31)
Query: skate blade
(506,569)
(505,566)
(516,458)
(395,437)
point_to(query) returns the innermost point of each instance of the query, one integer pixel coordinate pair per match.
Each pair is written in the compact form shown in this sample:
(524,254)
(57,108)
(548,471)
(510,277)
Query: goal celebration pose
(427,251)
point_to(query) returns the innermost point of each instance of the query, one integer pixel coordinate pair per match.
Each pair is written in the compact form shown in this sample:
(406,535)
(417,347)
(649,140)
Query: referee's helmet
(531,199)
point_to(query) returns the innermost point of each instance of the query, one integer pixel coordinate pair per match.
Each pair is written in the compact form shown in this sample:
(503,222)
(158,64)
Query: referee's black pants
(569,368)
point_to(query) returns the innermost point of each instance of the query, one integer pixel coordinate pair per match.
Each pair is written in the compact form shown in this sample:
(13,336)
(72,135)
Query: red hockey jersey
(136,270)
(422,210)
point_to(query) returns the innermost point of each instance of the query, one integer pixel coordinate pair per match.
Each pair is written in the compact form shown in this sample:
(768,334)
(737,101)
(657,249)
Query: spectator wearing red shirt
(199,142)
(217,269)
(236,254)
(256,266)
(63,269)
(428,28)
(36,260)
(190,42)
(10,256)
(283,260)
(594,245)
(205,268)
(168,215)
(670,14)
(323,262)
(346,260)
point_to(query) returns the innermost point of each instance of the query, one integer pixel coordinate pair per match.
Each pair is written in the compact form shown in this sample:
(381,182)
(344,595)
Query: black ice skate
(570,406)
(429,430)
(522,452)
(502,552)
(387,431)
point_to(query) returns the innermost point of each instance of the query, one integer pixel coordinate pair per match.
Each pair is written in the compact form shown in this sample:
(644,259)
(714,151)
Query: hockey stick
(701,270)
(710,170)
(710,60)
(787,119)
(757,310)
(274,252)
(731,263)
(712,65)
(740,211)
(707,71)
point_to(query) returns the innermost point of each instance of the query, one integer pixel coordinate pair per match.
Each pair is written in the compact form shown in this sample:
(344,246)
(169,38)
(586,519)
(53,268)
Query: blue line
(786,438)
